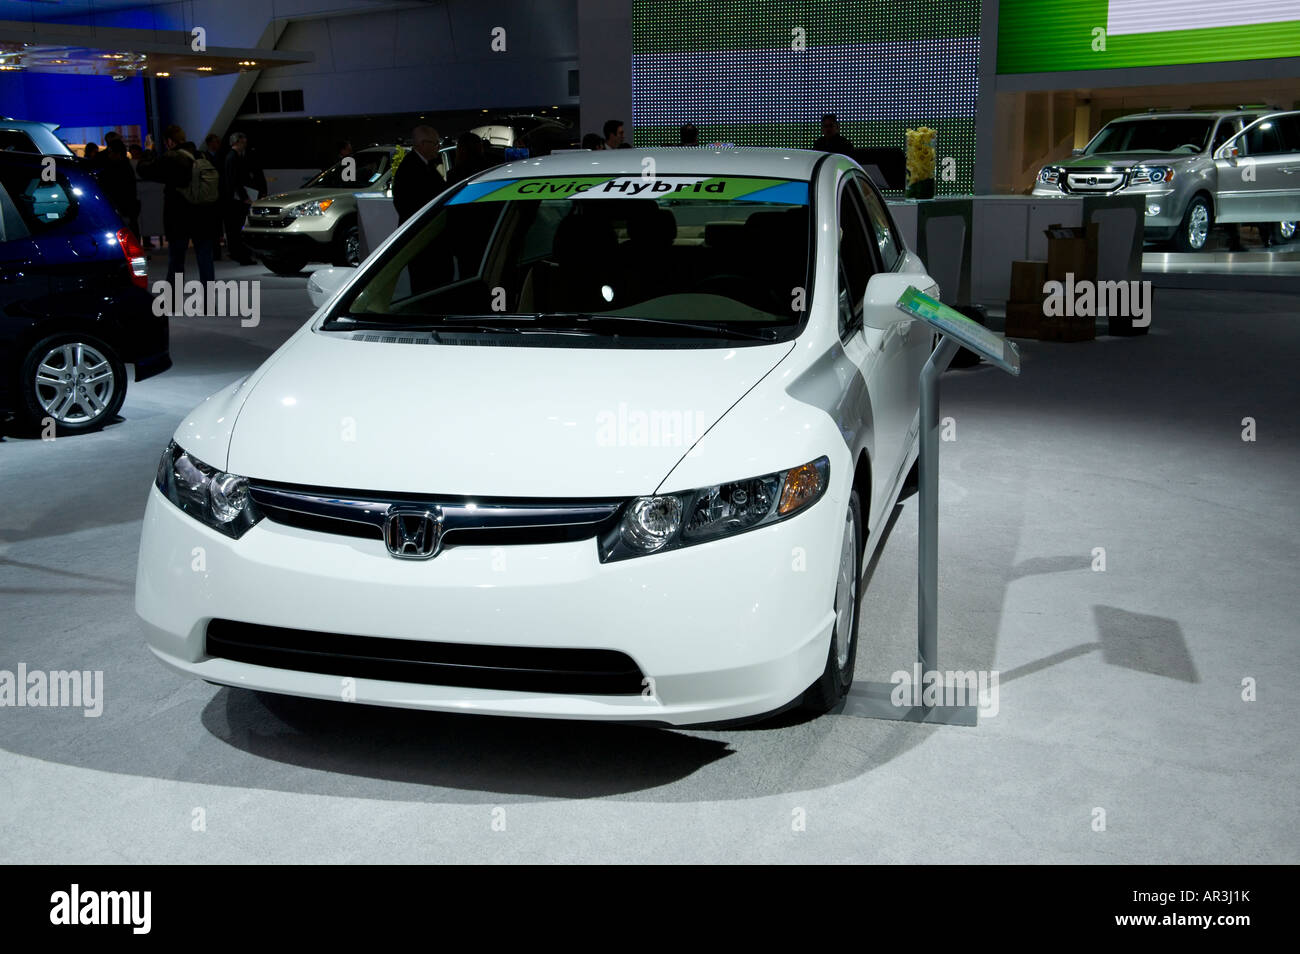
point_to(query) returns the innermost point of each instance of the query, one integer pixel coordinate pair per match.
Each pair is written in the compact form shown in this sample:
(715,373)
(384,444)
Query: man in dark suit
(417,179)
(236,178)
(831,140)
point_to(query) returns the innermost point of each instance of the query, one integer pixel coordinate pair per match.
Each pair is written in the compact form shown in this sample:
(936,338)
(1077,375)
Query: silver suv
(1195,169)
(318,222)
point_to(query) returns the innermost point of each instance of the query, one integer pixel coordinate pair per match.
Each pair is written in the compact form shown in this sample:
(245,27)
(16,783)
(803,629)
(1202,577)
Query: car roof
(1198,114)
(672,160)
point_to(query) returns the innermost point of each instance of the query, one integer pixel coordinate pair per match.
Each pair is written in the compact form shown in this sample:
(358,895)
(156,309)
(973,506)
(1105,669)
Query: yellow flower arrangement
(920,163)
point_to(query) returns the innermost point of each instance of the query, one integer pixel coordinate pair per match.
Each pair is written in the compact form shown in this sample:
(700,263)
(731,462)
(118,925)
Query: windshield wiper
(508,324)
(584,319)
(541,322)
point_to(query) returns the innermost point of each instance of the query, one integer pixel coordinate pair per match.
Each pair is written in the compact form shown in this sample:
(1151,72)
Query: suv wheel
(835,680)
(75,380)
(1194,232)
(284,266)
(347,245)
(1278,233)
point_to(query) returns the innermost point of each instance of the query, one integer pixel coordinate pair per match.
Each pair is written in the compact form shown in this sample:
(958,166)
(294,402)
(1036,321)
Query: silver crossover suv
(1195,169)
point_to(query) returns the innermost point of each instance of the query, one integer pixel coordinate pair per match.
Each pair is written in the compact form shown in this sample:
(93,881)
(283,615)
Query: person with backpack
(191,207)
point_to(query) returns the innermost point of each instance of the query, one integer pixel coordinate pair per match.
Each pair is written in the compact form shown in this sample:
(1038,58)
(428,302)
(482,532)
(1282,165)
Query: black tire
(1274,233)
(43,401)
(1185,239)
(347,244)
(837,678)
(284,266)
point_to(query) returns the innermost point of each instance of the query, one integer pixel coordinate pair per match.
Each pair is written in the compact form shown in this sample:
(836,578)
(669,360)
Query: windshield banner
(700,188)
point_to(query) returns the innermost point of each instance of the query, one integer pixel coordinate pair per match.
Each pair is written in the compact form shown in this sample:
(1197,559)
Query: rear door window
(15,140)
(42,204)
(1289,129)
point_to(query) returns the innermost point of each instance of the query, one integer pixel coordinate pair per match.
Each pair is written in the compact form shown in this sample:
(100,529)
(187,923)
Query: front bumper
(726,630)
(283,242)
(1162,225)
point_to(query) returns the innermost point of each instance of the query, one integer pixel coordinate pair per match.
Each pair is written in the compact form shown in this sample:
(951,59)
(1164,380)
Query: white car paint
(722,630)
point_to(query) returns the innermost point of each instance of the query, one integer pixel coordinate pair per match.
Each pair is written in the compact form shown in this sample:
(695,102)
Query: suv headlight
(212,497)
(308,208)
(1049,174)
(1152,174)
(670,521)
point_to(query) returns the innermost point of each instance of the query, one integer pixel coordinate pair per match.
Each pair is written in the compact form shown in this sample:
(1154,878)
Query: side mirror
(324,282)
(1076,152)
(880,307)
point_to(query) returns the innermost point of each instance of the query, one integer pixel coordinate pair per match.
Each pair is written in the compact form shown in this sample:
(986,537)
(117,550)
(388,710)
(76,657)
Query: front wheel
(1194,231)
(347,245)
(836,679)
(74,381)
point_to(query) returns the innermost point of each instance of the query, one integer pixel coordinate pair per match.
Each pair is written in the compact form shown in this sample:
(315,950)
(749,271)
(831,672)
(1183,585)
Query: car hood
(309,195)
(329,411)
(1122,160)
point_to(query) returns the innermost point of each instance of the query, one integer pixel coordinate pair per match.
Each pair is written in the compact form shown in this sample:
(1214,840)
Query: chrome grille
(465,521)
(1091,180)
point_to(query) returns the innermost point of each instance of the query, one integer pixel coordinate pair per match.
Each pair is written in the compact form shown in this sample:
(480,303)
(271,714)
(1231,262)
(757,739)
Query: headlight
(218,499)
(670,521)
(308,208)
(1048,174)
(1155,174)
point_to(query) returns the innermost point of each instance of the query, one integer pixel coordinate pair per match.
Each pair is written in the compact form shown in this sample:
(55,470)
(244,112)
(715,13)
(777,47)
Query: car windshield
(370,165)
(644,255)
(1183,135)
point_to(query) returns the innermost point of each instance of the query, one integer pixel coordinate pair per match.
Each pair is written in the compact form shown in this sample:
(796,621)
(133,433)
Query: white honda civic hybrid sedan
(601,435)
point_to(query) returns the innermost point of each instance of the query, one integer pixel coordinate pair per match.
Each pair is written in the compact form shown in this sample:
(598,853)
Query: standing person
(212,149)
(417,179)
(191,207)
(831,140)
(690,135)
(593,142)
(471,158)
(613,130)
(212,153)
(344,150)
(90,151)
(236,180)
(117,179)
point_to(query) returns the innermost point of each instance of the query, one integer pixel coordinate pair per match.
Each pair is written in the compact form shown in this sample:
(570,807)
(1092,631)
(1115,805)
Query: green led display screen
(762,73)
(1048,36)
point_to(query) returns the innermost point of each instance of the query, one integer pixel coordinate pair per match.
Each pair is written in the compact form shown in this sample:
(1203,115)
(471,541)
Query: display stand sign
(881,701)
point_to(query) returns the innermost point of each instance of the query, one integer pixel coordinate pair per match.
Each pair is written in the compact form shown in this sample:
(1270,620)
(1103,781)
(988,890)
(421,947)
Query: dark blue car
(74,302)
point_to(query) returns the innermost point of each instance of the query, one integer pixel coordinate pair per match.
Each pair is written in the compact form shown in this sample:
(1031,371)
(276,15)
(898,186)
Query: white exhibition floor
(1120,690)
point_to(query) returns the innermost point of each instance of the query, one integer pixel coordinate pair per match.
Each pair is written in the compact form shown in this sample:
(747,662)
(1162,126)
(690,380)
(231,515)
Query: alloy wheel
(846,593)
(75,383)
(1198,226)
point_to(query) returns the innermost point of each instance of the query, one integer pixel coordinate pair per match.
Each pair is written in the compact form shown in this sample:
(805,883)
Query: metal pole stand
(926,696)
(906,702)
